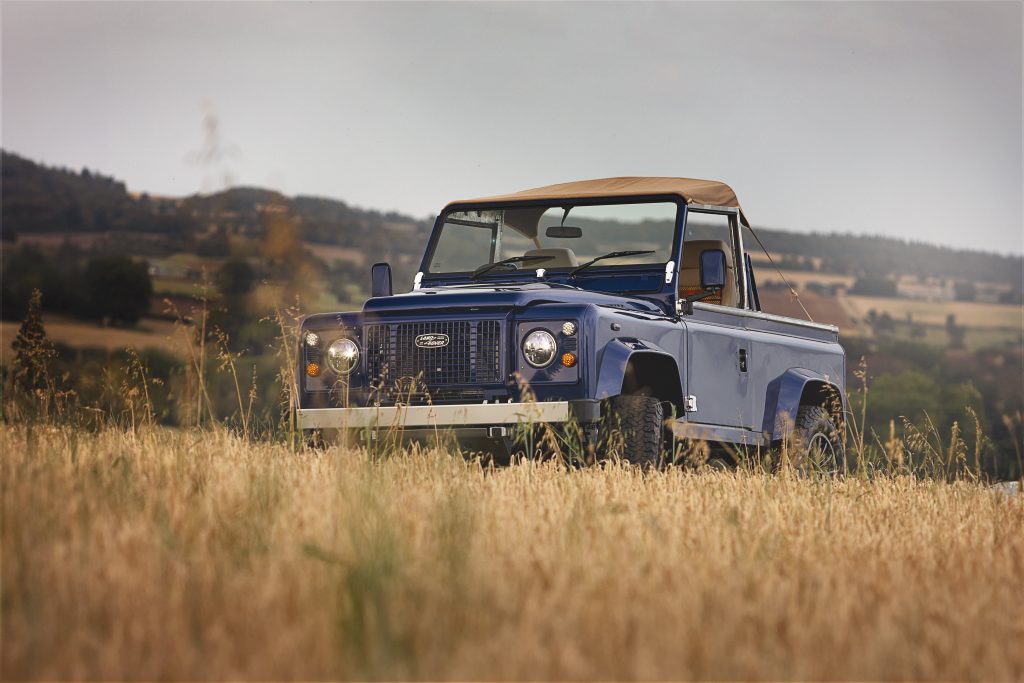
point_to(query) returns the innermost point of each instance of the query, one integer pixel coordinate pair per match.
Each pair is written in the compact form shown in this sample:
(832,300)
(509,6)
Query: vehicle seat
(560,257)
(689,272)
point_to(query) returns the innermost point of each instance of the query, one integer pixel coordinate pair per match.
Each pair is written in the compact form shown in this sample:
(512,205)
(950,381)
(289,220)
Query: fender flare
(783,400)
(616,358)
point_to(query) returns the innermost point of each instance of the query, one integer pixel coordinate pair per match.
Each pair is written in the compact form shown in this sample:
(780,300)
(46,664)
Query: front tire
(817,444)
(640,421)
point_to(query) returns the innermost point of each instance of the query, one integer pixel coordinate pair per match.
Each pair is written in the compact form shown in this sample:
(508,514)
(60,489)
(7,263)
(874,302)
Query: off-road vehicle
(625,298)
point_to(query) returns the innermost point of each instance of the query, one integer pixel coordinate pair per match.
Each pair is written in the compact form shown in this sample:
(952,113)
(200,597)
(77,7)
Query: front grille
(397,364)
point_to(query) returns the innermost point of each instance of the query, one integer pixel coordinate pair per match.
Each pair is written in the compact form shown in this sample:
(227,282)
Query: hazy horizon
(893,119)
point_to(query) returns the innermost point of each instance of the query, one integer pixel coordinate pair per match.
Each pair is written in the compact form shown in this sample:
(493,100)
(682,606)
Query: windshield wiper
(614,254)
(506,262)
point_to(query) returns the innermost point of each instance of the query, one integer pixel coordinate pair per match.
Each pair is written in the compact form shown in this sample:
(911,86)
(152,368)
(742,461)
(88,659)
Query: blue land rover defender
(625,298)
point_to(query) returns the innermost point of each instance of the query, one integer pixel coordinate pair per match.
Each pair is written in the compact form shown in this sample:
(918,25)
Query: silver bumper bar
(464,415)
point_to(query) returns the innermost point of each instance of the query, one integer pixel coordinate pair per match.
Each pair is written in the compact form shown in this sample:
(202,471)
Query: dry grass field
(177,554)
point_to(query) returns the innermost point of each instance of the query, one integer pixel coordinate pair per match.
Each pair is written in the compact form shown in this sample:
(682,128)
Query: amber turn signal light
(312,369)
(568,360)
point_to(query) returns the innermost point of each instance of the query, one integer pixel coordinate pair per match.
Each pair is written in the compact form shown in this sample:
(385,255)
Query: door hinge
(690,404)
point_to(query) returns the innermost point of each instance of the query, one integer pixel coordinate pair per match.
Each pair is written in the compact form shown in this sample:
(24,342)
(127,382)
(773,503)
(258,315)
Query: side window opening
(465,245)
(752,297)
(708,231)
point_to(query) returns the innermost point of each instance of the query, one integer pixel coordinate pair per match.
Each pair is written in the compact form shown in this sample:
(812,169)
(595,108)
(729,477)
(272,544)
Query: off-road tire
(817,443)
(641,422)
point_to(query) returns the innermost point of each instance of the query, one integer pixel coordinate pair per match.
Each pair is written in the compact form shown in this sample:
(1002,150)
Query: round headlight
(342,355)
(539,348)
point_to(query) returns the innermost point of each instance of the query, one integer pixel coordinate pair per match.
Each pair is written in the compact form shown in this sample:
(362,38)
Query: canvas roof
(691,190)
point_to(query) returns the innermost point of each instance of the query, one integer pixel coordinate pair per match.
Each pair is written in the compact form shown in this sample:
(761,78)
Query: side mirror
(712,269)
(380,279)
(712,279)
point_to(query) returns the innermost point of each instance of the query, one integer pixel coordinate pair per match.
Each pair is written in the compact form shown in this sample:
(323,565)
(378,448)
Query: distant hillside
(39,199)
(878,255)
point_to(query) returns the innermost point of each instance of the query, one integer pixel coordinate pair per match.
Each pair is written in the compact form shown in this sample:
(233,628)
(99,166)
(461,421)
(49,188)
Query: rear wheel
(817,444)
(639,422)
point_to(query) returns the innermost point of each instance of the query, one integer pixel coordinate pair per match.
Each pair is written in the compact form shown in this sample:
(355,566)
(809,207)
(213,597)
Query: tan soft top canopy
(691,190)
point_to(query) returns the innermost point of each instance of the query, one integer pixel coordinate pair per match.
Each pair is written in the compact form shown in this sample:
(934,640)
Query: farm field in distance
(985,324)
(149,333)
(971,314)
(181,554)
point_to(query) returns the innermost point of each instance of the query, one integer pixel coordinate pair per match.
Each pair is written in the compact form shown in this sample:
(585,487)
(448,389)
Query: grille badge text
(432,341)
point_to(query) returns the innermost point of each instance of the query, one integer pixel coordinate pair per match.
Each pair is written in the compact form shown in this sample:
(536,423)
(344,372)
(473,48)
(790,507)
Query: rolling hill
(42,203)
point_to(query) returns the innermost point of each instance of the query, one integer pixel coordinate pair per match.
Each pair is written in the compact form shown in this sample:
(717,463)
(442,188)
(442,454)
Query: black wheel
(817,444)
(640,423)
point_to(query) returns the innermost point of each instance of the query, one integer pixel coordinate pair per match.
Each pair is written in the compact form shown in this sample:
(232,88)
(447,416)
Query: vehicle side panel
(713,374)
(779,348)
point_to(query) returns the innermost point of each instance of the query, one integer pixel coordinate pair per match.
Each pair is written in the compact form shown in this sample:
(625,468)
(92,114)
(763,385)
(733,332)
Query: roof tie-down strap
(792,291)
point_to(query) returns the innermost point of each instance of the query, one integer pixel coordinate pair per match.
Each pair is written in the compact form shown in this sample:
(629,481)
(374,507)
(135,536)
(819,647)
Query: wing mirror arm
(684,306)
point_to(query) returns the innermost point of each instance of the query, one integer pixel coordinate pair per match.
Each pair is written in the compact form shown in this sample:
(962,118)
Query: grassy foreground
(194,555)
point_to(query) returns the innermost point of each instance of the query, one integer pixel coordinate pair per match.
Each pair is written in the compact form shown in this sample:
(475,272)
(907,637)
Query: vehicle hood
(503,296)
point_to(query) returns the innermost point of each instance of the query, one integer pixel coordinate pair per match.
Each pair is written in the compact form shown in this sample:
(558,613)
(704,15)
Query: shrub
(118,289)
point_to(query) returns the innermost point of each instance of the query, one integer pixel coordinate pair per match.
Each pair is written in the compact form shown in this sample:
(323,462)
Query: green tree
(872,285)
(232,315)
(117,289)
(956,332)
(965,291)
(235,278)
(908,394)
(216,245)
(26,269)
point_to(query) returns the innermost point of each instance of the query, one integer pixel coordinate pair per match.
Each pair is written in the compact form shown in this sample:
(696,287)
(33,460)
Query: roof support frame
(739,263)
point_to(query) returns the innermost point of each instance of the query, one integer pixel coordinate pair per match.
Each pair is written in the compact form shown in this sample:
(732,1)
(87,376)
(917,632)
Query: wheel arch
(801,387)
(631,367)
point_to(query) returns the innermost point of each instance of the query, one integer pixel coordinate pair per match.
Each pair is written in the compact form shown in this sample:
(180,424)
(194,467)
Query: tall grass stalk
(288,320)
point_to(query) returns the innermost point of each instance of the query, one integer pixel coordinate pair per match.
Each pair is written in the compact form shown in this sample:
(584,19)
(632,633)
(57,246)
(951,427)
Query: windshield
(560,237)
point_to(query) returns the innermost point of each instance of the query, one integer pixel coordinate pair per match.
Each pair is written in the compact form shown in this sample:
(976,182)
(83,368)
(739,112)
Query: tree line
(112,289)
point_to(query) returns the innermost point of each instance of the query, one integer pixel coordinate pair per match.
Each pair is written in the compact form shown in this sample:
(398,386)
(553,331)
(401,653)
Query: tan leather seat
(560,257)
(689,272)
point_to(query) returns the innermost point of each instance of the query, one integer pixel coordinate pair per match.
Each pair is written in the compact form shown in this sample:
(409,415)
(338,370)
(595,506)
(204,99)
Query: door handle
(743,360)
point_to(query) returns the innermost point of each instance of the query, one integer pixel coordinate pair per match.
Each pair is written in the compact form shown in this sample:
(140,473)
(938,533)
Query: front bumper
(449,416)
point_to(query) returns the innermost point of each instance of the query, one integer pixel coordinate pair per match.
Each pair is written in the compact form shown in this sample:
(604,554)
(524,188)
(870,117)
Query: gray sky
(901,119)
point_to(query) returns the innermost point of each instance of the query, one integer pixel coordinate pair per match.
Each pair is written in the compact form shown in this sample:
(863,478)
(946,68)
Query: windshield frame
(560,273)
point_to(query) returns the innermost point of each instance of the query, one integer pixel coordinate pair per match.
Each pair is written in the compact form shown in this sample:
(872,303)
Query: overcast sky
(901,119)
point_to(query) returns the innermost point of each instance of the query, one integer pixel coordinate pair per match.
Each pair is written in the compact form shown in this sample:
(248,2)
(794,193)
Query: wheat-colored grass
(194,555)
